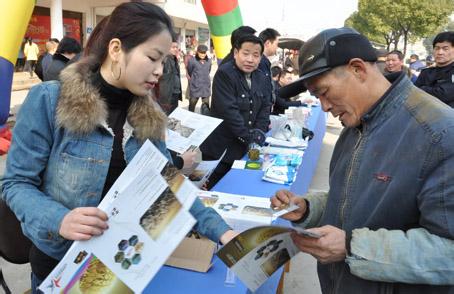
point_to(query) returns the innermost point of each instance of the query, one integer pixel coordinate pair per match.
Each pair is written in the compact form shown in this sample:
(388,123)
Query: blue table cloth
(245,182)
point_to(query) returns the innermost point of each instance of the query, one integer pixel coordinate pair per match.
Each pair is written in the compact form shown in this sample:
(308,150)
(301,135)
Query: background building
(76,19)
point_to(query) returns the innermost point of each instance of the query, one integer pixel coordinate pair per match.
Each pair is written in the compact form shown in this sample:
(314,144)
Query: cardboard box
(193,254)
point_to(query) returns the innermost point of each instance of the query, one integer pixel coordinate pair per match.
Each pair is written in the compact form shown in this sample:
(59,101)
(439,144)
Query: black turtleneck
(118,102)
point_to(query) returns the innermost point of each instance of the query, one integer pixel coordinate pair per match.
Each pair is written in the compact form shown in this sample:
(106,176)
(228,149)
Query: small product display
(280,174)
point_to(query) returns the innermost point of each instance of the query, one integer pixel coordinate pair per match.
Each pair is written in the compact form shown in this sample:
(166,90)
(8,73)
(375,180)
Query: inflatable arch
(223,17)
(14,18)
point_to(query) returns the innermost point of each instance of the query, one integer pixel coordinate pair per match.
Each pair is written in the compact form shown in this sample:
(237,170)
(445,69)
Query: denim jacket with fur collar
(60,156)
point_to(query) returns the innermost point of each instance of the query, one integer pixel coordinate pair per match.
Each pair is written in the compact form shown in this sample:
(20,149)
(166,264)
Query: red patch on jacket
(383,177)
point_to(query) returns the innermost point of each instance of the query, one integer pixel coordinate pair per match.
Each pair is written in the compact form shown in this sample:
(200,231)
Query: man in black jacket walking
(439,80)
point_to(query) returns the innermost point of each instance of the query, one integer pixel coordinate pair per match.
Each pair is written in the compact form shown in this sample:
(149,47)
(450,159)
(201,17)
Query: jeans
(35,283)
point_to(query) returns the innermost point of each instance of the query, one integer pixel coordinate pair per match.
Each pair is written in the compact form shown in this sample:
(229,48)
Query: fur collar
(81,109)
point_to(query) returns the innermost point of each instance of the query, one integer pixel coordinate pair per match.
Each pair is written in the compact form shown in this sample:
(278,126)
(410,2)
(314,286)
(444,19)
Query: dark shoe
(204,109)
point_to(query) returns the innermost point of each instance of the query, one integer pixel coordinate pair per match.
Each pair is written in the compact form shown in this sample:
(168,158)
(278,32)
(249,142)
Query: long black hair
(131,22)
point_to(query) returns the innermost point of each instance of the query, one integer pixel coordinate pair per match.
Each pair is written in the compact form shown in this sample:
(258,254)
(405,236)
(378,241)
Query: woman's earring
(112,71)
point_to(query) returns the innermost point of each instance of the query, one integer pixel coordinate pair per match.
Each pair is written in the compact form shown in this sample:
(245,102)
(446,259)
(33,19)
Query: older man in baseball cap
(387,223)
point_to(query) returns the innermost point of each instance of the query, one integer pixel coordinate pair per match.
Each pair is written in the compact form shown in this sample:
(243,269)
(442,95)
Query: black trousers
(193,102)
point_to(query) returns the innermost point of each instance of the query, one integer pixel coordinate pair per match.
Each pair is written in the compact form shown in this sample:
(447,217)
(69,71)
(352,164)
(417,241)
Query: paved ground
(301,279)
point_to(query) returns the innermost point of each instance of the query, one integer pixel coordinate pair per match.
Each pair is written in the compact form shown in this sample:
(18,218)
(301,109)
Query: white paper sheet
(239,211)
(186,129)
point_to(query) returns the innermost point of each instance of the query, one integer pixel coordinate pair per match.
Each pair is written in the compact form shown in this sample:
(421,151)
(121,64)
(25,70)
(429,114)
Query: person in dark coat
(270,39)
(439,80)
(198,73)
(66,50)
(281,104)
(45,59)
(241,101)
(169,87)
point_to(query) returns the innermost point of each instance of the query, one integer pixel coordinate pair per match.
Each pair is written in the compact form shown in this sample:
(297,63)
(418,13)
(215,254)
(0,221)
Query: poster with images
(186,129)
(148,208)
(255,254)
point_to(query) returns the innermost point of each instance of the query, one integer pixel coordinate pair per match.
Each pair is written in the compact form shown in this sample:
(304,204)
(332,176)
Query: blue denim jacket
(52,170)
(392,191)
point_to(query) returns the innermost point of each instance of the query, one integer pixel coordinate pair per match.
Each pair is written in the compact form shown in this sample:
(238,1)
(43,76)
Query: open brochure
(148,208)
(255,254)
(203,171)
(187,129)
(242,212)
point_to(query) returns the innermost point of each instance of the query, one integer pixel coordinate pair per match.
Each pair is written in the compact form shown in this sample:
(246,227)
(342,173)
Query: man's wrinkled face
(247,58)
(443,53)
(393,63)
(338,93)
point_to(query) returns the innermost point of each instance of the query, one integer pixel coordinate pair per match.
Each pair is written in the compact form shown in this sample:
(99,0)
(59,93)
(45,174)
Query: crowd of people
(48,65)
(387,221)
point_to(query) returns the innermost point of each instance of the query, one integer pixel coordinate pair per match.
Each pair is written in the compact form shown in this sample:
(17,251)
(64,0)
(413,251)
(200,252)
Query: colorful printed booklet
(187,129)
(255,254)
(148,208)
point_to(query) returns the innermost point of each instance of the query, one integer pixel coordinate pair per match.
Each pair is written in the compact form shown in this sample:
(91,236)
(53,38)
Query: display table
(245,182)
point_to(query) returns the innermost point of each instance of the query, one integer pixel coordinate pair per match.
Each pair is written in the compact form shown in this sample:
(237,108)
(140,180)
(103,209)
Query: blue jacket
(241,108)
(60,154)
(392,191)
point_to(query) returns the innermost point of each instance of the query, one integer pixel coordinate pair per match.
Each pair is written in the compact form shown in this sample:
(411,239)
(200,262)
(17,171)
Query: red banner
(72,28)
(39,29)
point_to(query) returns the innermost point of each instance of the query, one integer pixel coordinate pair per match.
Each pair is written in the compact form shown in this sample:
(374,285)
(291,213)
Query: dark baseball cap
(325,51)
